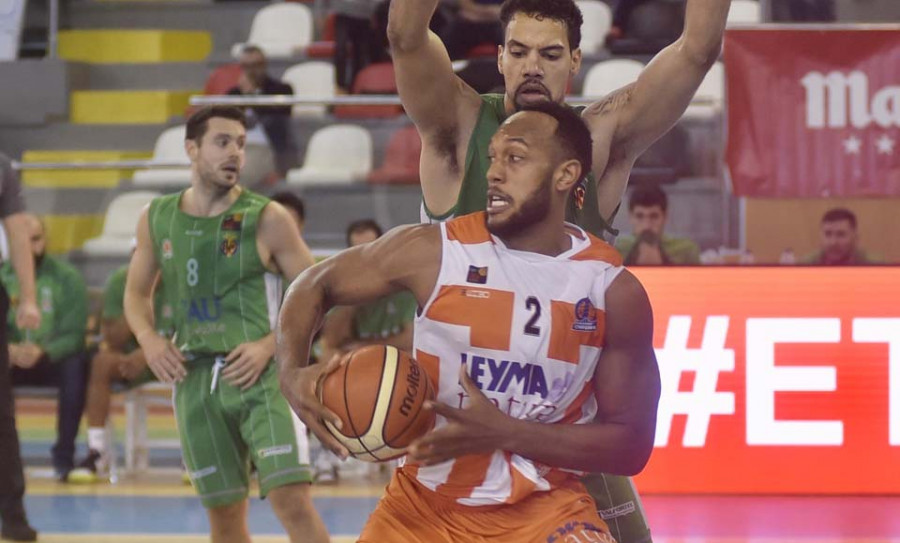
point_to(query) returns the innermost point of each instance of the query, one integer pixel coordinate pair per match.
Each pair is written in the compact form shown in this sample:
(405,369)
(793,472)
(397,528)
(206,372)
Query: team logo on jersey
(585,316)
(229,246)
(46,299)
(477,275)
(233,222)
(167,249)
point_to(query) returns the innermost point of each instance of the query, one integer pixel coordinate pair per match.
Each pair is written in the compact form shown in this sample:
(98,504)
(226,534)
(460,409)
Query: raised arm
(438,102)
(640,113)
(405,258)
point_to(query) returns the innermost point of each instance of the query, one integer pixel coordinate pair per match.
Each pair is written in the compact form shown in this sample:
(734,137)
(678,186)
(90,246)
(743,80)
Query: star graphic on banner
(885,145)
(852,145)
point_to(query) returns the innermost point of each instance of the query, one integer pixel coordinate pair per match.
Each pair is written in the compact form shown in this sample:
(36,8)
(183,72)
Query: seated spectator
(476,22)
(388,320)
(119,361)
(52,355)
(354,36)
(838,241)
(648,245)
(294,205)
(275,121)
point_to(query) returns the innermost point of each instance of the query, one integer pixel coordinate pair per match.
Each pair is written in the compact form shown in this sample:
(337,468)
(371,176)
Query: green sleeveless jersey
(473,191)
(212,273)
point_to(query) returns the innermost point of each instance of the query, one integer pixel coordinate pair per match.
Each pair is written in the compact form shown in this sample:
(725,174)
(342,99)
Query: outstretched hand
(478,428)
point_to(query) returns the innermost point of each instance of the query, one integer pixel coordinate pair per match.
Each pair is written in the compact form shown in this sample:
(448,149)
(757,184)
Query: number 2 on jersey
(532,304)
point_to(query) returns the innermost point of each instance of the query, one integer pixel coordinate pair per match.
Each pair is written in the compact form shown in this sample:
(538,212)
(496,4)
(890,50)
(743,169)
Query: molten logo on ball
(412,388)
(379,395)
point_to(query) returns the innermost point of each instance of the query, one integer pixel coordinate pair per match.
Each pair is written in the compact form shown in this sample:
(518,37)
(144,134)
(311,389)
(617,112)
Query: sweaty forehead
(535,32)
(531,126)
(219,125)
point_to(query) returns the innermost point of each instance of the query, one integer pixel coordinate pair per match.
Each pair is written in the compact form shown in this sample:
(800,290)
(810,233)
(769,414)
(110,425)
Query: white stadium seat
(744,12)
(311,80)
(120,224)
(710,94)
(597,22)
(610,75)
(337,154)
(169,148)
(281,30)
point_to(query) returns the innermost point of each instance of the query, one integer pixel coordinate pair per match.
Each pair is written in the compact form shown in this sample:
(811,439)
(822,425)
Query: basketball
(379,395)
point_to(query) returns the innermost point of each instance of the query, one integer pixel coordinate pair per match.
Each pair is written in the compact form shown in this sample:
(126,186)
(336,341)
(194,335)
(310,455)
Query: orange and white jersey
(530,329)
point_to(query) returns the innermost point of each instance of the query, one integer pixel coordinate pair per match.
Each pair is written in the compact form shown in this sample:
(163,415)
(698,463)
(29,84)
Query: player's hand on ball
(477,428)
(248,361)
(165,360)
(299,386)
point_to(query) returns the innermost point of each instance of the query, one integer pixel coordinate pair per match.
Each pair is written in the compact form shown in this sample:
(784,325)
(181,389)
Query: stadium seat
(711,92)
(610,75)
(311,80)
(120,225)
(401,159)
(169,148)
(324,48)
(373,79)
(336,154)
(281,30)
(483,50)
(744,12)
(223,79)
(597,22)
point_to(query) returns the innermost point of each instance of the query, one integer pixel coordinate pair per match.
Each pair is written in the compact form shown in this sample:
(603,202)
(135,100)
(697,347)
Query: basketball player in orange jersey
(536,339)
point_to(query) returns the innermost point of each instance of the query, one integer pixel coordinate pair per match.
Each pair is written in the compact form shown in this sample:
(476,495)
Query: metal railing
(274,100)
(283,100)
(99,165)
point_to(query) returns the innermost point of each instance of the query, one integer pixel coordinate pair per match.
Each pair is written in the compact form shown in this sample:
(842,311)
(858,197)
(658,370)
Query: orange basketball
(379,395)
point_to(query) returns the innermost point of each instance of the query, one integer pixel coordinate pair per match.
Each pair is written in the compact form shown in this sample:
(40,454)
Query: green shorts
(620,506)
(223,430)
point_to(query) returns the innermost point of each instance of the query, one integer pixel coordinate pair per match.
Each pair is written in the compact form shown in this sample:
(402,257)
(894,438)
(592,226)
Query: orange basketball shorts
(410,513)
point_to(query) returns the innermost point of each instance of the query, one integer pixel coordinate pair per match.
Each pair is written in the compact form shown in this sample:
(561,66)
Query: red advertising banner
(813,113)
(776,380)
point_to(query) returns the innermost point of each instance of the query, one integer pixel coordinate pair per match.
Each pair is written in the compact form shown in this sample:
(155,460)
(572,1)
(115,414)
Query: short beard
(533,210)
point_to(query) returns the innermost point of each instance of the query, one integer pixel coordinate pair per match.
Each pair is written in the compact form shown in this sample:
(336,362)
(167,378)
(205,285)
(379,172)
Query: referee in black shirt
(12,479)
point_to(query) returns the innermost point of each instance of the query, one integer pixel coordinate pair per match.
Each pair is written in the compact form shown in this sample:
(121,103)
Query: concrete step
(127,107)
(125,137)
(167,76)
(65,179)
(227,22)
(134,46)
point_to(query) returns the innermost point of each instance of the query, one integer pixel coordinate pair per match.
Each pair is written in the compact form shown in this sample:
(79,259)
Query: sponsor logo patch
(277,450)
(585,316)
(233,222)
(167,249)
(201,473)
(477,275)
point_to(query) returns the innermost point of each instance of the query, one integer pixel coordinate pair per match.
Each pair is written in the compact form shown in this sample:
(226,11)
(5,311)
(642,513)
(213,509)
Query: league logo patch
(585,316)
(229,246)
(477,275)
(232,222)
(167,249)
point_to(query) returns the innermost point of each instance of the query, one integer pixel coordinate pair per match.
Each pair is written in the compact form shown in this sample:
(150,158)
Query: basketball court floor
(159,508)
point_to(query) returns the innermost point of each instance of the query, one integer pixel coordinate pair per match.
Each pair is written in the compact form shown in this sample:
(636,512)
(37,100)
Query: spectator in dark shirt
(275,121)
(477,22)
(839,241)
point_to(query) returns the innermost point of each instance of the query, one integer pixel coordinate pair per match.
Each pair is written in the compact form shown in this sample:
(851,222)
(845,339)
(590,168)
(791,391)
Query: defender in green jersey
(539,56)
(211,246)
(117,362)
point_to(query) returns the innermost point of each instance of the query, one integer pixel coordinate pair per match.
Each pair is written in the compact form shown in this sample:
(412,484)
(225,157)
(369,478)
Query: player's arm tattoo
(614,102)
